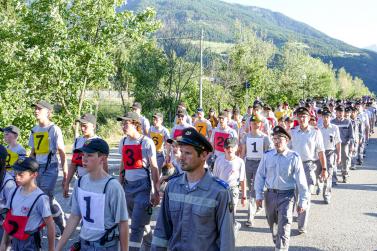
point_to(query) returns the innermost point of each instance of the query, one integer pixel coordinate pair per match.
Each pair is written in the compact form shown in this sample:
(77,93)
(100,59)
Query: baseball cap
(157,115)
(26,164)
(87,118)
(3,152)
(199,110)
(230,142)
(255,118)
(95,145)
(43,104)
(136,105)
(129,116)
(222,114)
(11,128)
(211,110)
(302,110)
(180,112)
(340,108)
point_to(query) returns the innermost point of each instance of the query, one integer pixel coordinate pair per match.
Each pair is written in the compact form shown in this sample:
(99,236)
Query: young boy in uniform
(98,201)
(159,134)
(14,149)
(88,130)
(231,169)
(46,142)
(29,210)
(7,184)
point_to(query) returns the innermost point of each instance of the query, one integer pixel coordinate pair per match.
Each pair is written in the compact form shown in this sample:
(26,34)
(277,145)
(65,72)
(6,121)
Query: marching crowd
(273,158)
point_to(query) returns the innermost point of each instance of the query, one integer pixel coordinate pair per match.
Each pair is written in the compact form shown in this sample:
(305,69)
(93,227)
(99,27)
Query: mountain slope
(372,47)
(223,22)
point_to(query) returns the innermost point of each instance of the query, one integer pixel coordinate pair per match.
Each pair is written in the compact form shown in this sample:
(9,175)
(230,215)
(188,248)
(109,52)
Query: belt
(278,190)
(97,244)
(308,161)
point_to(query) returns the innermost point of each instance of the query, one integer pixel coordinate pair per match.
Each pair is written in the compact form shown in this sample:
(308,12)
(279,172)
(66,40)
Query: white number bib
(92,208)
(254,148)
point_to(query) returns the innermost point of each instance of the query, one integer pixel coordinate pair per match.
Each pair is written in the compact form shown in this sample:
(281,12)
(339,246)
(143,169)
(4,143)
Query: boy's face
(9,137)
(157,121)
(87,129)
(91,161)
(40,113)
(230,151)
(25,177)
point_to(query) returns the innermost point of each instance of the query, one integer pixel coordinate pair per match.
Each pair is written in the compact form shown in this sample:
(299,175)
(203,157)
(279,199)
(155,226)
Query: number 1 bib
(157,139)
(92,208)
(219,139)
(132,157)
(41,144)
(254,148)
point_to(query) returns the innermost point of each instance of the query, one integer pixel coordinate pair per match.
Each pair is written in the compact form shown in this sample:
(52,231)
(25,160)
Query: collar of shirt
(283,153)
(203,184)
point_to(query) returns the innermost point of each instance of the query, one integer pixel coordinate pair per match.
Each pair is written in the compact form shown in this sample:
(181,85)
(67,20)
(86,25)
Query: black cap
(257,105)
(211,110)
(43,104)
(136,105)
(278,130)
(11,128)
(158,115)
(87,118)
(230,142)
(222,114)
(192,137)
(199,109)
(348,109)
(340,108)
(326,112)
(3,152)
(180,112)
(95,145)
(288,119)
(129,116)
(26,164)
(302,110)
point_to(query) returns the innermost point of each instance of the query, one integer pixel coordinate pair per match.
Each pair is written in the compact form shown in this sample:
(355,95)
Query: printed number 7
(40,137)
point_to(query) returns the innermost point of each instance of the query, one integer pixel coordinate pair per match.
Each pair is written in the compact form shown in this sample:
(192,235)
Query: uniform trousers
(251,167)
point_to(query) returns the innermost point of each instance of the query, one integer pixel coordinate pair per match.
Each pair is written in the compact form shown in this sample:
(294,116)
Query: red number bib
(77,159)
(177,133)
(219,138)
(15,225)
(132,157)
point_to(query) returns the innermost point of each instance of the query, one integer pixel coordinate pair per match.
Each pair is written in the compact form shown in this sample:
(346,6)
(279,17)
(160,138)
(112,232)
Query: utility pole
(201,72)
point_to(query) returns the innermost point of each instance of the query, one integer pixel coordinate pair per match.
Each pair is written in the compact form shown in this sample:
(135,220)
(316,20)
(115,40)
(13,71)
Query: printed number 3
(130,155)
(87,215)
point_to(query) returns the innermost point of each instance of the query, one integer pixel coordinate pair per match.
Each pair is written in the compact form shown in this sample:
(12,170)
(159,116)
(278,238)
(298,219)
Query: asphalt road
(348,223)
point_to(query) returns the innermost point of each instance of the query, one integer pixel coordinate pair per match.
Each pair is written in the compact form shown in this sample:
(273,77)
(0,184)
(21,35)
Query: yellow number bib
(41,145)
(201,127)
(158,140)
(11,158)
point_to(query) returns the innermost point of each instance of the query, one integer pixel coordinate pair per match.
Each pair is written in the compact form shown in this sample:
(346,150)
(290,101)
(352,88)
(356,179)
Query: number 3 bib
(254,148)
(132,157)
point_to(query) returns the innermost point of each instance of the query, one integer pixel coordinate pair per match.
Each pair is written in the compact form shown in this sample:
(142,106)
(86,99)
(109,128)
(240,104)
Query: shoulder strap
(78,182)
(31,208)
(5,184)
(75,145)
(11,199)
(124,140)
(104,189)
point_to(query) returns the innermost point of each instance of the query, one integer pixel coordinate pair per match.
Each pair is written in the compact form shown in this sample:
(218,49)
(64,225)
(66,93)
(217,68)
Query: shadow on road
(362,187)
(291,248)
(371,214)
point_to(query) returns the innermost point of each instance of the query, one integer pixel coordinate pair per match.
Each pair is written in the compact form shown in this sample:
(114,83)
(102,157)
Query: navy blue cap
(278,130)
(13,129)
(302,110)
(3,152)
(199,110)
(348,109)
(43,104)
(340,108)
(192,137)
(26,164)
(95,145)
(230,142)
(326,112)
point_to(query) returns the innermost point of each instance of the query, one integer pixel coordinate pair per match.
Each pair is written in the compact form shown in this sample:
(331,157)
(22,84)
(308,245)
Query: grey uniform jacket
(196,219)
(345,130)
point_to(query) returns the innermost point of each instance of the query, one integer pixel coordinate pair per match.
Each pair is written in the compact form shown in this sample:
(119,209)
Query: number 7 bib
(41,144)
(132,157)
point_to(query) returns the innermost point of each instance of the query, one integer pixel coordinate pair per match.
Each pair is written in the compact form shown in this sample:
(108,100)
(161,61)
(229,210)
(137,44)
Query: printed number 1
(255,147)
(87,216)
(40,137)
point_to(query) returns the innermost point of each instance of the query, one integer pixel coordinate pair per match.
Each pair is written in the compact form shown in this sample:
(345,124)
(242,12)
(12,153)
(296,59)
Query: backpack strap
(11,199)
(108,181)
(79,182)
(35,201)
(75,144)
(1,189)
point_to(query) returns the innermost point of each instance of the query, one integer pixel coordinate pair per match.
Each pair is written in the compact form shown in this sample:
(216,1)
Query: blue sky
(354,22)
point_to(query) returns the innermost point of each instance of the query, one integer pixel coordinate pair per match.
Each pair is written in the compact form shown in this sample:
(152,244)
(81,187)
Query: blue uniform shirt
(282,171)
